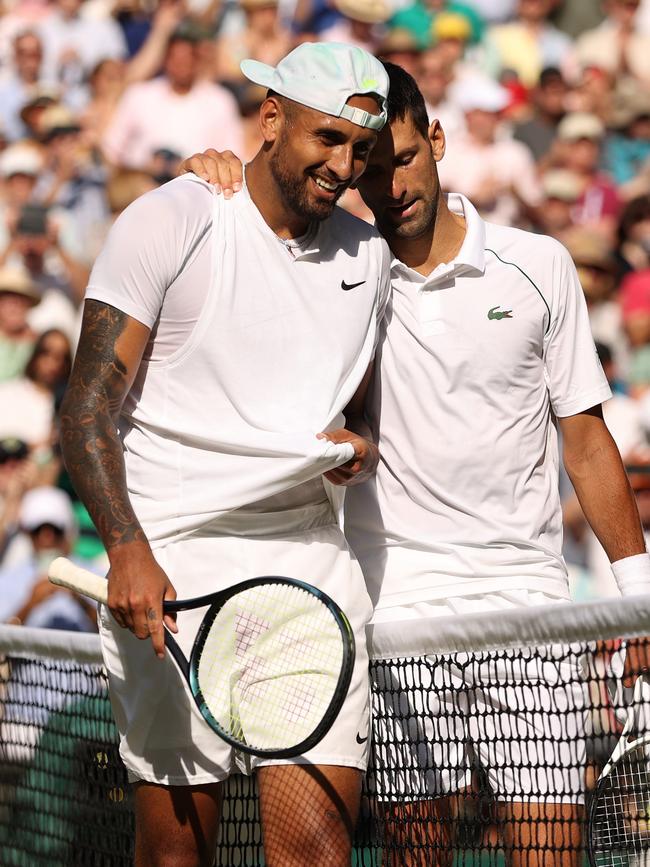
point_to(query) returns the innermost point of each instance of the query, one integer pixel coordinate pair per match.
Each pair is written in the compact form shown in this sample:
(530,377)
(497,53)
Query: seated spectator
(26,596)
(18,473)
(635,307)
(400,47)
(435,75)
(598,272)
(33,396)
(561,189)
(18,294)
(529,43)
(616,45)
(627,150)
(578,149)
(262,37)
(35,105)
(634,235)
(71,182)
(19,83)
(359,23)
(495,172)
(74,43)
(177,112)
(548,108)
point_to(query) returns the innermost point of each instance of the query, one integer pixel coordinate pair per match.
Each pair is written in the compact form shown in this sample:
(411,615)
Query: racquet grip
(67,574)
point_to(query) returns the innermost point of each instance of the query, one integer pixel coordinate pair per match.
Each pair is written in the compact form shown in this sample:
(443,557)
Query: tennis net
(489,733)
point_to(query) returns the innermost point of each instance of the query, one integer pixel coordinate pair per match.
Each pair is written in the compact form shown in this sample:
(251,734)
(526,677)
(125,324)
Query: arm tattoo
(91,447)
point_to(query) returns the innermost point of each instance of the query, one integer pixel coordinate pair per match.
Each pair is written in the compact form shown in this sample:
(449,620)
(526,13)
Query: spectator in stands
(30,113)
(74,43)
(18,473)
(359,23)
(262,37)
(579,141)
(435,75)
(615,45)
(598,272)
(18,294)
(26,596)
(400,46)
(71,181)
(560,191)
(19,83)
(176,111)
(627,151)
(497,172)
(34,395)
(634,235)
(529,43)
(548,108)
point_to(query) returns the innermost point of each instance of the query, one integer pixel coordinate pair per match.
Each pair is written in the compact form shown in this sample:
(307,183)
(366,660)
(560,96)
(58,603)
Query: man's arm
(596,470)
(356,431)
(109,353)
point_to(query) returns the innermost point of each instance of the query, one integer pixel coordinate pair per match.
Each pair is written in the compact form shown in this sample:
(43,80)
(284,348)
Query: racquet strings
(270,666)
(620,828)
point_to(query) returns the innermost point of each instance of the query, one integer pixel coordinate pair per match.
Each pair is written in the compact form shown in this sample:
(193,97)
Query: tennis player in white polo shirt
(486,350)
(220,340)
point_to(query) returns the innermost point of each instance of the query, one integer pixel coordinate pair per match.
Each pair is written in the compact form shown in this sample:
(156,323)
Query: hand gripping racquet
(619,815)
(271,662)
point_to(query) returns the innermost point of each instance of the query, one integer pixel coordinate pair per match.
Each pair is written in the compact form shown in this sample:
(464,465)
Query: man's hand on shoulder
(359,468)
(222,169)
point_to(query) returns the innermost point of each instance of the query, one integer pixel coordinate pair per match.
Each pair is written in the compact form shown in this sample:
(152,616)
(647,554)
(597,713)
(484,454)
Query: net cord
(561,623)
(25,641)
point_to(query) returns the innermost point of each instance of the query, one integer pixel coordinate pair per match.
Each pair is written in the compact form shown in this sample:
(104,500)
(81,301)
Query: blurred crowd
(546,109)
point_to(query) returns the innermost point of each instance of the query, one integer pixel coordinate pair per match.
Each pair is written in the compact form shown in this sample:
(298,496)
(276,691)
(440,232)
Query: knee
(327,846)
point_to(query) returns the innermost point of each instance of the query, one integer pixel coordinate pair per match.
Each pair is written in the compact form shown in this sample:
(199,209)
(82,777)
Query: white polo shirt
(256,346)
(476,360)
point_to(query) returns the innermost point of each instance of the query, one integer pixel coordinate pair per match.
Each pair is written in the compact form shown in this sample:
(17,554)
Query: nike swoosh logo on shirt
(361,740)
(347,286)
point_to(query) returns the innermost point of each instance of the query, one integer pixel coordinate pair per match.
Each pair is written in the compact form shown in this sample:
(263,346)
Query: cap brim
(259,73)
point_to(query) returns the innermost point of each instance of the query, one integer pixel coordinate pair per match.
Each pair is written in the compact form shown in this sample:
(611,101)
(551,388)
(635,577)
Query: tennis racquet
(271,662)
(619,815)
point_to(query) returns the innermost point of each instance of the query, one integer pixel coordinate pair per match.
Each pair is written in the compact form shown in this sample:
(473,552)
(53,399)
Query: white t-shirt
(256,346)
(475,362)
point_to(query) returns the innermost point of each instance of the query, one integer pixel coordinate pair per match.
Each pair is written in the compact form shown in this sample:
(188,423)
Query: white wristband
(633,574)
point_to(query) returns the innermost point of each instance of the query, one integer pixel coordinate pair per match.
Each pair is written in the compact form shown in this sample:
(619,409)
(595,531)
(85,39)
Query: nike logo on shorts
(347,286)
(361,740)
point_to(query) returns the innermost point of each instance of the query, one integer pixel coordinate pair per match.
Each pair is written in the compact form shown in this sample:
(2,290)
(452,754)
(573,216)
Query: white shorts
(163,737)
(517,718)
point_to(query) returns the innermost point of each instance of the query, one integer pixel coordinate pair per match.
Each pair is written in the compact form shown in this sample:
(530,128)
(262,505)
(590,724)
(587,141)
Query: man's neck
(267,198)
(437,246)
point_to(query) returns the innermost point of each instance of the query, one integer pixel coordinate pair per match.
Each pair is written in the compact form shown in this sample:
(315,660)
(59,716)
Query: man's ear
(271,118)
(436,136)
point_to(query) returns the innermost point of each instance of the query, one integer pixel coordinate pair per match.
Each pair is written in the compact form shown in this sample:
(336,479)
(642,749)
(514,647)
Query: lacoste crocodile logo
(495,313)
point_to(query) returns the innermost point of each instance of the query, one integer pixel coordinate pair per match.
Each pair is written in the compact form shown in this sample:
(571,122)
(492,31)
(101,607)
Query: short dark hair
(636,211)
(550,74)
(405,99)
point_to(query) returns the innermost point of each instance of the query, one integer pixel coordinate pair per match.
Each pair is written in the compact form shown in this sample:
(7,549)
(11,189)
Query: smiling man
(224,347)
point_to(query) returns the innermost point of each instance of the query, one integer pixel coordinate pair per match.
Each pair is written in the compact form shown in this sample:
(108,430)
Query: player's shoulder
(186,199)
(527,250)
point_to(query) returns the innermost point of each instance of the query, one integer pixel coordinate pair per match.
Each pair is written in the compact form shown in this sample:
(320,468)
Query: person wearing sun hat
(259,316)
(18,295)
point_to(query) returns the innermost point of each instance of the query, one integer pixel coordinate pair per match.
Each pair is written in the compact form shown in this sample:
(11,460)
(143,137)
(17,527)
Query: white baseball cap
(323,76)
(47,505)
(478,93)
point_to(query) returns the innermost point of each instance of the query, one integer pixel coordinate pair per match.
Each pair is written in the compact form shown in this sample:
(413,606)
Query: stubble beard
(293,191)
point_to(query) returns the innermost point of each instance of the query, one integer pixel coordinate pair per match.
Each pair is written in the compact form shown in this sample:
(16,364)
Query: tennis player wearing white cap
(486,348)
(220,340)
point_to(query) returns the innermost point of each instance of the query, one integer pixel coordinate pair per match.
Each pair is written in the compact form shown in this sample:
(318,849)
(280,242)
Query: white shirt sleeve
(574,374)
(149,245)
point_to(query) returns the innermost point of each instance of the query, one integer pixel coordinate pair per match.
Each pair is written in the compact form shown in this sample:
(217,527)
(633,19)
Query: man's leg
(308,814)
(176,826)
(542,834)
(421,834)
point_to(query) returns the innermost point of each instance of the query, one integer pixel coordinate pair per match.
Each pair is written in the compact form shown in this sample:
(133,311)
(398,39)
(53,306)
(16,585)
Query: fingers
(221,169)
(139,608)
